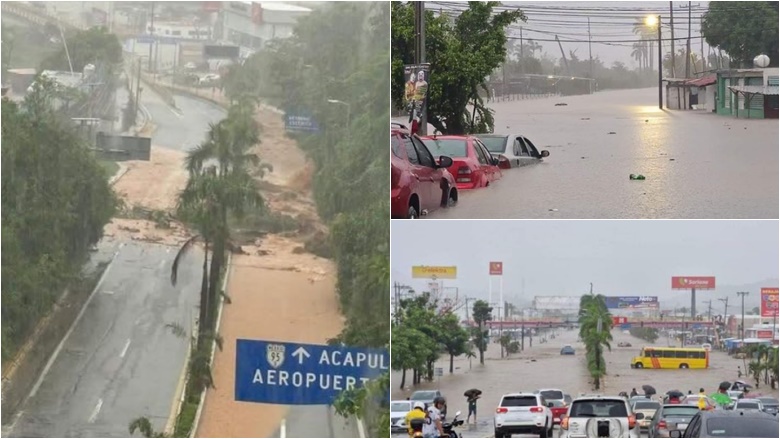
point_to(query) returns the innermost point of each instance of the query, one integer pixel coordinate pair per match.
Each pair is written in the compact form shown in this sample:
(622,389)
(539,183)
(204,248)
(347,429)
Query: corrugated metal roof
(703,81)
(756,89)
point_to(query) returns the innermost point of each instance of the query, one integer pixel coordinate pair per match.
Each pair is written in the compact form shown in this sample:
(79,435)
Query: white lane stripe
(283,429)
(96,411)
(70,330)
(124,351)
(361,429)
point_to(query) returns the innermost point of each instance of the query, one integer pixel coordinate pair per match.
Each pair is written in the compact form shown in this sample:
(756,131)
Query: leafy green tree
(55,202)
(461,56)
(743,30)
(454,337)
(595,324)
(92,46)
(409,350)
(482,312)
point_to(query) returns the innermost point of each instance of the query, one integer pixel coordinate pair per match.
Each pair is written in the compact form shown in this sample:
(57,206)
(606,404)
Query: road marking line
(108,292)
(70,330)
(96,411)
(124,351)
(283,429)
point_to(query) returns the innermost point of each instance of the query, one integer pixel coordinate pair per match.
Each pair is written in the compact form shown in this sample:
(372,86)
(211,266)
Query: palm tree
(645,33)
(637,53)
(595,324)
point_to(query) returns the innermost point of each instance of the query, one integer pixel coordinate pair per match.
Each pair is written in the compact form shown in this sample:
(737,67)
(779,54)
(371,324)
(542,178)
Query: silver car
(512,150)
(398,412)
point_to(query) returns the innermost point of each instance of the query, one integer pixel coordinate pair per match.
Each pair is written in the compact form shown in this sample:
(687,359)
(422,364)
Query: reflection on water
(698,165)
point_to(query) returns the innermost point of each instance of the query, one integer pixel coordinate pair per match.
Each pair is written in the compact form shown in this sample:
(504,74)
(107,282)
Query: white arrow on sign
(300,353)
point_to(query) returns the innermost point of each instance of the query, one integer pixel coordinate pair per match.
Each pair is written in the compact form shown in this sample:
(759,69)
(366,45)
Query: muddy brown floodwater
(697,164)
(542,366)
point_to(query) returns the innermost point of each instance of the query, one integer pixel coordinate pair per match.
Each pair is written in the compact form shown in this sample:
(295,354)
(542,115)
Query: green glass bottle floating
(636,177)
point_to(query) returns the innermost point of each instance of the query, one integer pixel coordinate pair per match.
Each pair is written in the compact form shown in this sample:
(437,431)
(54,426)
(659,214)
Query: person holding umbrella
(472,395)
(721,397)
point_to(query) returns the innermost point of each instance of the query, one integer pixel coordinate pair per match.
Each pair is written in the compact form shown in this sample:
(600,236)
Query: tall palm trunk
(203,314)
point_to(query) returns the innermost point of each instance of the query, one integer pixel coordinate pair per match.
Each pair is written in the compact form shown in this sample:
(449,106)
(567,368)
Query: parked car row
(428,172)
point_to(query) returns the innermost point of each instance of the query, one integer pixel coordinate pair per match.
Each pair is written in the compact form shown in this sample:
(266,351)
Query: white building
(179,30)
(253,24)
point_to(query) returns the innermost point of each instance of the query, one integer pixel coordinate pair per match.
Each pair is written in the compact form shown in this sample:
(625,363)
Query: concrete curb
(199,412)
(122,171)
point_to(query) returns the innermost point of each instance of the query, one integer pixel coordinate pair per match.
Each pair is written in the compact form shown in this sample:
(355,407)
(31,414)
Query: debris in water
(611,132)
(582,157)
(553,210)
(671,160)
(561,104)
(584,118)
(636,177)
(647,120)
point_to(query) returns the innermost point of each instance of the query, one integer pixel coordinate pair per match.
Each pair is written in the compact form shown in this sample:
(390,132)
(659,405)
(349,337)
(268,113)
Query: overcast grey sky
(610,21)
(621,258)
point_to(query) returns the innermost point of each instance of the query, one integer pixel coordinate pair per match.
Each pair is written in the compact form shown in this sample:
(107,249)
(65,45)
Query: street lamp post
(655,21)
(338,102)
(743,294)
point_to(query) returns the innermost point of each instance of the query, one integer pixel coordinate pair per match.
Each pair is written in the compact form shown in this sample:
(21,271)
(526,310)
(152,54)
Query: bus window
(669,354)
(693,354)
(645,353)
(657,354)
(702,355)
(681,354)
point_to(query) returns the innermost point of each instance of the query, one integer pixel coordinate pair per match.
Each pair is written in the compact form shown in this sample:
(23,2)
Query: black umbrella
(649,390)
(472,393)
(675,394)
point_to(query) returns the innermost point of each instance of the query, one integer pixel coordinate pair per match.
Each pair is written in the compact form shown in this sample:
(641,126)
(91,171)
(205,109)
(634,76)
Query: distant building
(176,30)
(253,24)
(748,93)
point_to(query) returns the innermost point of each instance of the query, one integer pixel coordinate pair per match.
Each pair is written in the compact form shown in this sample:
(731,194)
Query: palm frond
(182,251)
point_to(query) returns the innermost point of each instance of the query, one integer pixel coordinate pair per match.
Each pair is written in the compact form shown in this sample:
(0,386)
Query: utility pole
(688,46)
(151,35)
(568,72)
(590,53)
(419,56)
(743,294)
(701,42)
(709,318)
(660,68)
(137,91)
(671,26)
(522,53)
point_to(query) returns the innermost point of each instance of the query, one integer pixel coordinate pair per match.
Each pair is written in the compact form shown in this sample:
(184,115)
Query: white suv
(523,413)
(600,416)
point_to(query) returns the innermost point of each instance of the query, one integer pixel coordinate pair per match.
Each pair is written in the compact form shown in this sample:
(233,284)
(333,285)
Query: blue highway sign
(295,373)
(300,122)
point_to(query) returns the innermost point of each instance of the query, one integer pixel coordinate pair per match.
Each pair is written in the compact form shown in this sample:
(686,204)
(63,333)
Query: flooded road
(542,366)
(697,164)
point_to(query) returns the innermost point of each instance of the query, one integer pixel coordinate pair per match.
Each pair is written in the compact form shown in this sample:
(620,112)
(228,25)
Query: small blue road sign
(295,373)
(300,121)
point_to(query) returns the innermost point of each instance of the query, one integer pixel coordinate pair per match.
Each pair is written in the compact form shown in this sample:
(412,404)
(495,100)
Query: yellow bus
(672,358)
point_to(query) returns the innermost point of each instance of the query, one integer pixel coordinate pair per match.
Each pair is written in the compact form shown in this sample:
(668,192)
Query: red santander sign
(690,282)
(496,268)
(769,302)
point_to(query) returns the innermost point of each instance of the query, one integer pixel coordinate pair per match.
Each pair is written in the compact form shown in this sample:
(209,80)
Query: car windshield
(599,408)
(518,401)
(552,394)
(448,147)
(423,396)
(494,143)
(400,407)
(742,427)
(646,405)
(680,410)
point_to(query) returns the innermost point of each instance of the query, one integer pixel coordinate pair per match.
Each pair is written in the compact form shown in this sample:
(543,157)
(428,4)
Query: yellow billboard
(428,272)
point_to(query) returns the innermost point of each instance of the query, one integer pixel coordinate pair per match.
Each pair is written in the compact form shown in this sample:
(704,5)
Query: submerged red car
(472,165)
(419,183)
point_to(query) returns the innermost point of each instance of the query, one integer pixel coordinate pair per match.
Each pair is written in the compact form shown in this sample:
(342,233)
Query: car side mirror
(551,405)
(494,161)
(639,416)
(445,162)
(545,153)
(675,433)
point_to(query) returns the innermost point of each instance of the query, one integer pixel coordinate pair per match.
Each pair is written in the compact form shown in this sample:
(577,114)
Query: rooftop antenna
(65,43)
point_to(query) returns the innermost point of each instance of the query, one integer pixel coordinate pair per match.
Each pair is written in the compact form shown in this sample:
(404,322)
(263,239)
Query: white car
(209,78)
(600,416)
(512,150)
(748,404)
(523,413)
(398,412)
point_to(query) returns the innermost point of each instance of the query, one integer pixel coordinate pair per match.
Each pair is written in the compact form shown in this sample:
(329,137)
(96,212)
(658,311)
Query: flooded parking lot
(542,366)
(696,164)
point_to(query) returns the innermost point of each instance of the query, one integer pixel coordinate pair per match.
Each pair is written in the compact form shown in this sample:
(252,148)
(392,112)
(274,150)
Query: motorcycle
(449,426)
(417,427)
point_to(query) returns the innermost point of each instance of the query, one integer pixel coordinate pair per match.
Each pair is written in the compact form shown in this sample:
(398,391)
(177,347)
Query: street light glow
(651,20)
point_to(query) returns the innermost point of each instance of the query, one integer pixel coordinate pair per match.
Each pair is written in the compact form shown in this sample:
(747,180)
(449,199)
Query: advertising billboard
(631,302)
(226,52)
(690,282)
(416,77)
(429,272)
(496,268)
(769,303)
(556,303)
